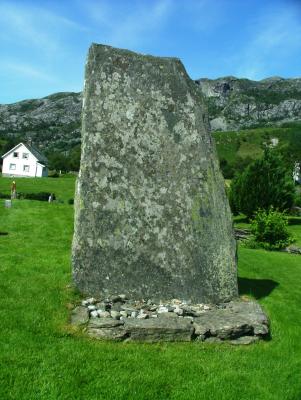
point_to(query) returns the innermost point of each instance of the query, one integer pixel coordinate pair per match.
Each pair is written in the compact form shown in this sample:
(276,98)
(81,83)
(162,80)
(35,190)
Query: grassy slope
(40,359)
(249,142)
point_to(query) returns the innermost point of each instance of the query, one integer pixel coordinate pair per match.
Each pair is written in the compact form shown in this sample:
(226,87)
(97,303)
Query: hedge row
(41,196)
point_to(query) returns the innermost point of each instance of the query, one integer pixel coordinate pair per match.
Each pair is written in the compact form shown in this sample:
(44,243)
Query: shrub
(41,196)
(270,229)
(226,168)
(53,174)
(5,196)
(298,200)
(265,183)
(71,201)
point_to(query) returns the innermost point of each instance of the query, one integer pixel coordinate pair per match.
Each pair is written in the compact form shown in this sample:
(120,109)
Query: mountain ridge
(235,103)
(53,122)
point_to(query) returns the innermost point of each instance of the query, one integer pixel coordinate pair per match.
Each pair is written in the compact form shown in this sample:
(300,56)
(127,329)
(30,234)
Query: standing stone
(151,216)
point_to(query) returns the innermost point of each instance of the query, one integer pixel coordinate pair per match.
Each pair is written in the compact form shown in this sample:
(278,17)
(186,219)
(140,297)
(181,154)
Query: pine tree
(265,183)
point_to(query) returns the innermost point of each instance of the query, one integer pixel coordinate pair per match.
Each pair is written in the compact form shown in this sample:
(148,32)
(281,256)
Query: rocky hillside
(53,122)
(236,104)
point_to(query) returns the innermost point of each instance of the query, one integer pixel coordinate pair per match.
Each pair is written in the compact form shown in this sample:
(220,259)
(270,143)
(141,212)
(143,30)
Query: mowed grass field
(41,358)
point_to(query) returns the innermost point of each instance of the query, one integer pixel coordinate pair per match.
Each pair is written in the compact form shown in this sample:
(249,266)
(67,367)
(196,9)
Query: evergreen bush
(270,231)
(265,183)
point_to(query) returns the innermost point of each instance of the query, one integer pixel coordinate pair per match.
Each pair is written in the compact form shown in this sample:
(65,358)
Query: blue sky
(44,43)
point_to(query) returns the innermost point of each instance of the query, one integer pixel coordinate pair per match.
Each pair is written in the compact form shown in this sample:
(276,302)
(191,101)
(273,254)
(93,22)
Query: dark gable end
(40,157)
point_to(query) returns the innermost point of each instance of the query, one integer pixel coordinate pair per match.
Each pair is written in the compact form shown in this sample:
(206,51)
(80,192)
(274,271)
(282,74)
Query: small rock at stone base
(142,316)
(94,314)
(116,306)
(178,311)
(117,333)
(103,306)
(245,340)
(79,316)
(103,314)
(124,314)
(115,314)
(91,300)
(176,301)
(162,309)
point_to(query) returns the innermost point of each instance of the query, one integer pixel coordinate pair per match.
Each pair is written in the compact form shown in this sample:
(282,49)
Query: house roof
(37,153)
(34,151)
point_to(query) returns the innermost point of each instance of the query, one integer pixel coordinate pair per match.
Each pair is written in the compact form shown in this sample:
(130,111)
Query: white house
(24,160)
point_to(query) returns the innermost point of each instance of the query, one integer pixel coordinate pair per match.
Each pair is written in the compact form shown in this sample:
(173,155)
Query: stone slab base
(236,322)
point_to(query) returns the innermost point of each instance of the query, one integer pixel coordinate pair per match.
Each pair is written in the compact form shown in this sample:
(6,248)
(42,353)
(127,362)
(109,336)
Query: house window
(12,167)
(25,155)
(26,168)
(16,154)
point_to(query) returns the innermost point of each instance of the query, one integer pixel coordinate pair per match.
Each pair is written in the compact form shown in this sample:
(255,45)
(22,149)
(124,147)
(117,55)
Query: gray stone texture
(157,330)
(151,216)
(232,320)
(236,322)
(79,316)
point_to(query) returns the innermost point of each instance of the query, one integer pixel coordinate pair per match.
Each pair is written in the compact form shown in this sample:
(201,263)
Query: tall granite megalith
(151,216)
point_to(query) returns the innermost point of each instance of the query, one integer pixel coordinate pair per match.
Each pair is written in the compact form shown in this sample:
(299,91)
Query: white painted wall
(23,166)
(41,170)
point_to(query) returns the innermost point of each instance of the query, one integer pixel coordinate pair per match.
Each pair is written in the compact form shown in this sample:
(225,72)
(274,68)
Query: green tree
(58,162)
(265,183)
(74,158)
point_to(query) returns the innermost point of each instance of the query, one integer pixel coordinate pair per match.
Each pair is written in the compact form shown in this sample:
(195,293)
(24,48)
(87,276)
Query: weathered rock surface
(239,322)
(151,216)
(79,316)
(158,329)
(245,340)
(233,320)
(235,104)
(52,122)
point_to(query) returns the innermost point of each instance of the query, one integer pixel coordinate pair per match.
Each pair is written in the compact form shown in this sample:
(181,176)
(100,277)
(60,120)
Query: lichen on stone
(152,215)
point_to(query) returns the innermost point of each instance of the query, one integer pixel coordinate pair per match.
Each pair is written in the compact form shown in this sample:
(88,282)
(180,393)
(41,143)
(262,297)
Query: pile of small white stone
(120,307)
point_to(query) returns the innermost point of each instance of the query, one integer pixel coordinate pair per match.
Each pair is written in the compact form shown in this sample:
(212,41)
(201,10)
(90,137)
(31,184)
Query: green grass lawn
(41,359)
(62,187)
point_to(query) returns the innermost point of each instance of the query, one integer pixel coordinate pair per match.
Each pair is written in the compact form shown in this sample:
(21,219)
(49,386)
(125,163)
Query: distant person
(50,198)
(13,190)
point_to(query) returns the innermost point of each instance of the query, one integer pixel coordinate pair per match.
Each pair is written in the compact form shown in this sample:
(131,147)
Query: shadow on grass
(3,233)
(257,288)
